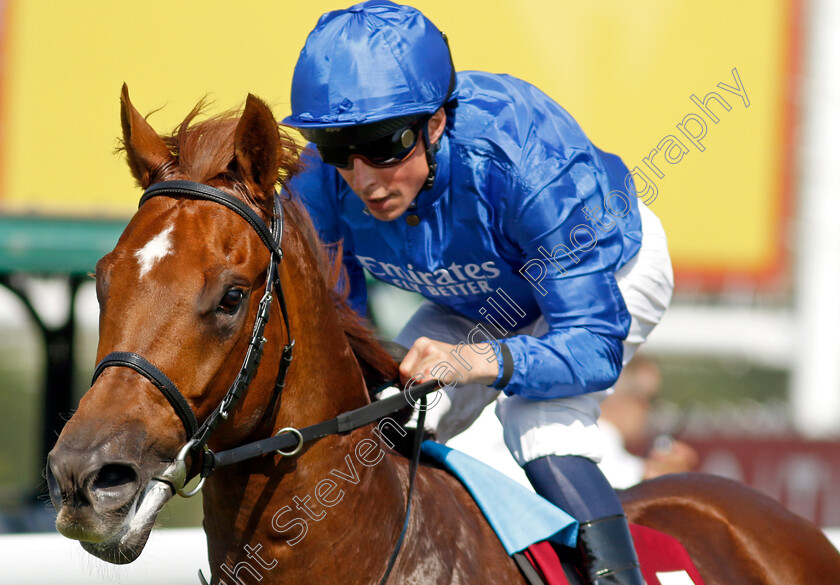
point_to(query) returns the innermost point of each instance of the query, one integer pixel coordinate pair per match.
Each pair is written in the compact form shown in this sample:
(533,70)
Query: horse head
(182,290)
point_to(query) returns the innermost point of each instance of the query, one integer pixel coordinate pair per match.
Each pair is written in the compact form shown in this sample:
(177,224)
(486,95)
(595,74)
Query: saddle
(541,538)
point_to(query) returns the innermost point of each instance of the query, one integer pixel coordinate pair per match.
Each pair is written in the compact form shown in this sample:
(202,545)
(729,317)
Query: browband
(202,191)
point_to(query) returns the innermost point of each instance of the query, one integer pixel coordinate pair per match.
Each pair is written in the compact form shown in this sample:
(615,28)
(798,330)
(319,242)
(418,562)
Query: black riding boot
(576,485)
(606,549)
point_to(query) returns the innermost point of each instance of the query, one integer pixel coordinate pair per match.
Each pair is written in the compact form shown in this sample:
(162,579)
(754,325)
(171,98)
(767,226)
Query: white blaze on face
(157,248)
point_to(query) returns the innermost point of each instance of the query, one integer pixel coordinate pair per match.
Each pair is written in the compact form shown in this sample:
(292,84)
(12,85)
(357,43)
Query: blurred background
(728,113)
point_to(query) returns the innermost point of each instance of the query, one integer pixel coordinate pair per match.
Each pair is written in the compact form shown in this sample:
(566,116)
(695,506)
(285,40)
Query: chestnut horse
(179,297)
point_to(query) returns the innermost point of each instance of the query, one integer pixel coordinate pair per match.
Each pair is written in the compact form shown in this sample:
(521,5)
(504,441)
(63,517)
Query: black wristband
(507,366)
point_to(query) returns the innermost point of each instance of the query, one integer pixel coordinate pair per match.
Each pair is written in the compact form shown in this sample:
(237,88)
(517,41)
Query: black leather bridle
(197,436)
(286,438)
(288,441)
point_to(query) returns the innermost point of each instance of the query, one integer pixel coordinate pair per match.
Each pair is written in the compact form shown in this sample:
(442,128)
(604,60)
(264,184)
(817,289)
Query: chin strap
(431,149)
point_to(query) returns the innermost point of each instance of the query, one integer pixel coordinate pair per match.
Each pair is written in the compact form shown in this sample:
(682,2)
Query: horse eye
(231,301)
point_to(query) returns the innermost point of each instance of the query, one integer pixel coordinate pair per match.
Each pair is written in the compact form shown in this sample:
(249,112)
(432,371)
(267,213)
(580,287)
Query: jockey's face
(387,192)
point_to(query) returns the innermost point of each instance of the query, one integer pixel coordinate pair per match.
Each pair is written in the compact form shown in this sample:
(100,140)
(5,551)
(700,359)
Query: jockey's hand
(451,364)
(670,457)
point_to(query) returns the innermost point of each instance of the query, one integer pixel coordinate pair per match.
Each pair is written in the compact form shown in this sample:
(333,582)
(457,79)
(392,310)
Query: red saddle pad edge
(544,559)
(658,553)
(661,553)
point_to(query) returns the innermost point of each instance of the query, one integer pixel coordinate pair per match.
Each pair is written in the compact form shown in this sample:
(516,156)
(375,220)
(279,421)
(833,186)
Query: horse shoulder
(452,536)
(730,529)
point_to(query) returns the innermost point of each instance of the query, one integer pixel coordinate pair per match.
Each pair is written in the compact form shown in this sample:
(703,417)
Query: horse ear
(145,150)
(256,148)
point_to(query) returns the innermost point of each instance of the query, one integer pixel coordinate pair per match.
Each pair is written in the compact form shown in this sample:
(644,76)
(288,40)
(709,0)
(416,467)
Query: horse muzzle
(103,503)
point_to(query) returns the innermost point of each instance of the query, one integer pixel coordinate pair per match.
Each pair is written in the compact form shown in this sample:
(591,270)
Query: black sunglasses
(387,151)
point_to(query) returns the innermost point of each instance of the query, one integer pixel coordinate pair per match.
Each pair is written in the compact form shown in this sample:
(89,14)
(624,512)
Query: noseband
(197,436)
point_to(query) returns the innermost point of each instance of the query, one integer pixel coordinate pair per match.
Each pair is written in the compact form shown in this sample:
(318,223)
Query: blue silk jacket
(526,218)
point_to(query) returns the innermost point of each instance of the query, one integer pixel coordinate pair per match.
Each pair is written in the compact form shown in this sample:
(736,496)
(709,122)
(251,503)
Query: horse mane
(204,151)
(377,364)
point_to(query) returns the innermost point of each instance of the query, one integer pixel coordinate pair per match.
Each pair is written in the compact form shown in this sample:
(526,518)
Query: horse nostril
(113,476)
(54,488)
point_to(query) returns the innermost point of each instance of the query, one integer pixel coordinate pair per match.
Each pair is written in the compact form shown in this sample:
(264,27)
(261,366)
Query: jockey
(541,269)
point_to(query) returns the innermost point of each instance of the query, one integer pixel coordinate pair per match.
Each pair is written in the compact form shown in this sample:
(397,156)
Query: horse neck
(283,514)
(325,373)
(242,503)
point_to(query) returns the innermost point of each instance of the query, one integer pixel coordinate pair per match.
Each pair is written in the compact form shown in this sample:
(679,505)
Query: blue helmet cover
(373,61)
